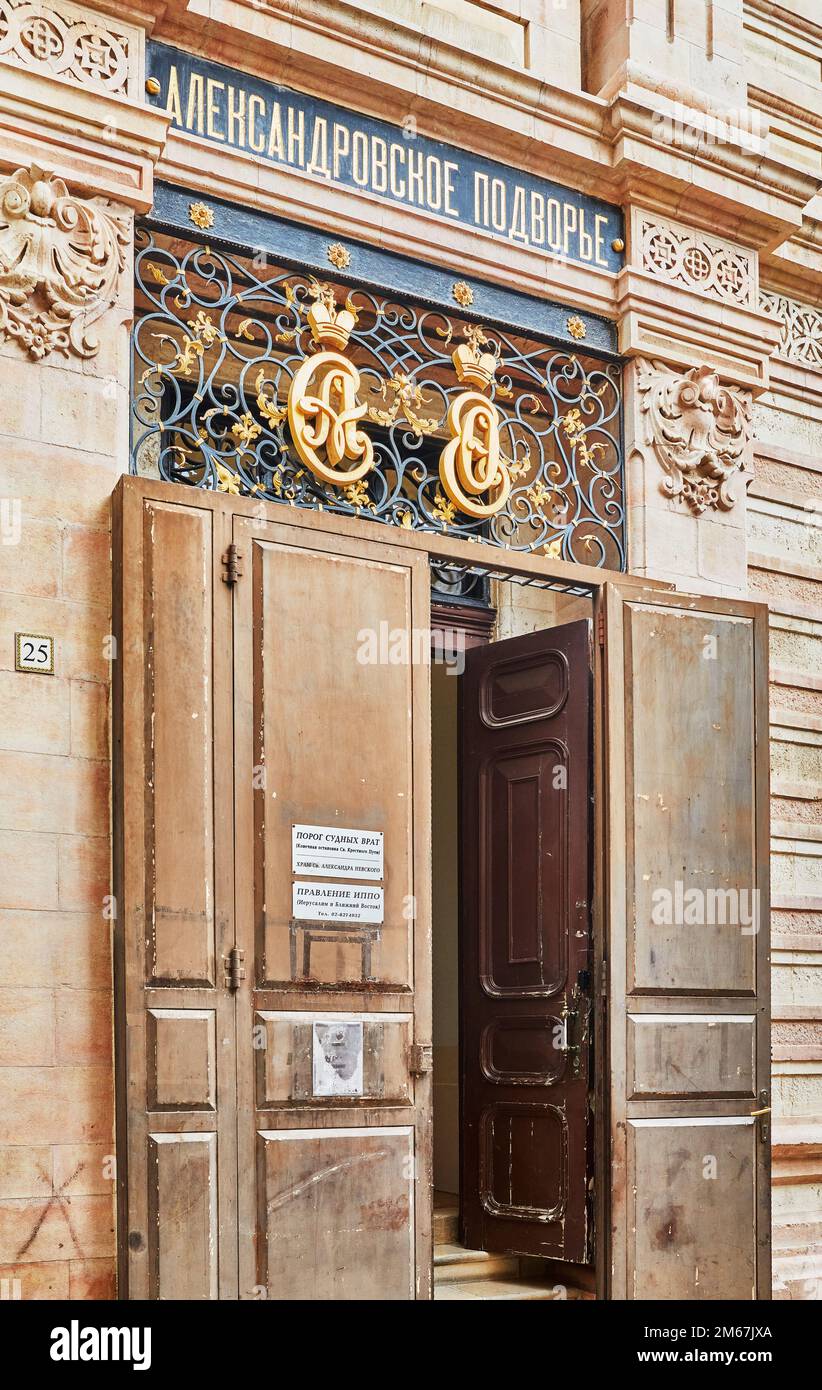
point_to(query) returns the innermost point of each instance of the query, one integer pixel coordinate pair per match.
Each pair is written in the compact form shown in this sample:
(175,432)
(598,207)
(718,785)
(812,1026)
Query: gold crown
(330,326)
(473,365)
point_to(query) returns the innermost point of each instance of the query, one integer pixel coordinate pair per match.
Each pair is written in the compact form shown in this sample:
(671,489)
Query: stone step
(446,1223)
(504,1290)
(453,1262)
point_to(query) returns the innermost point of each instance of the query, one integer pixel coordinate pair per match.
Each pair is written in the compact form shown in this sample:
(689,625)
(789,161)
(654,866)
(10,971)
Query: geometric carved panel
(181,1060)
(182,1233)
(523,1161)
(285,1050)
(179,813)
(691,1054)
(517,690)
(520,1050)
(523,896)
(362,781)
(689,677)
(337,1217)
(694,1208)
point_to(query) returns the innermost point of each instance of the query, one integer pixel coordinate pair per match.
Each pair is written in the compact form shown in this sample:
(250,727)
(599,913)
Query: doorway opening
(512,1038)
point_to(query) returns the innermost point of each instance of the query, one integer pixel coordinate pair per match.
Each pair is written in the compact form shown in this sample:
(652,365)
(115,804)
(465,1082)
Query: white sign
(337,1059)
(34,652)
(337,902)
(335,853)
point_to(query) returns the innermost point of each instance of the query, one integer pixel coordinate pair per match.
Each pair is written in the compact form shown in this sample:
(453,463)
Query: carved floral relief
(698,429)
(66,41)
(60,261)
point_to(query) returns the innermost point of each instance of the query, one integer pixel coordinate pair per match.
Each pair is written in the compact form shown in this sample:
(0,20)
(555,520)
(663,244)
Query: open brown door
(525,943)
(332,806)
(685,820)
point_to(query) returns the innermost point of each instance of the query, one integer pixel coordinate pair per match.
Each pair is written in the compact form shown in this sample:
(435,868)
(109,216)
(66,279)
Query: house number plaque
(34,652)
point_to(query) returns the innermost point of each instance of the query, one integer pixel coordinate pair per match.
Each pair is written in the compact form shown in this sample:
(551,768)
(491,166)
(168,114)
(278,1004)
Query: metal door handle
(766,1110)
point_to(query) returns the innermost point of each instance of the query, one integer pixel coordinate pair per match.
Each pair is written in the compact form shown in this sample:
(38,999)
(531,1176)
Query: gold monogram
(327,419)
(470,463)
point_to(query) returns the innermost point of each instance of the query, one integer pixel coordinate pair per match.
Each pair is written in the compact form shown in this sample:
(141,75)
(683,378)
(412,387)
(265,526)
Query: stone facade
(701,118)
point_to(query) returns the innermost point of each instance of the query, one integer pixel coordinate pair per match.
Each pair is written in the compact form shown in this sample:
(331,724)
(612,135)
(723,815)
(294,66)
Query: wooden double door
(273,965)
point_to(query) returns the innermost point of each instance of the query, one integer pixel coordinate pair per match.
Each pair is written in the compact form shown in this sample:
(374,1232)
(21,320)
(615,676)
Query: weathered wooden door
(685,817)
(525,943)
(173,852)
(332,808)
(272,810)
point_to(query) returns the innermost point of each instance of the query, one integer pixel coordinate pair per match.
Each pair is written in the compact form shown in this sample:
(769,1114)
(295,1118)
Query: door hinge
(603,979)
(234,967)
(232,564)
(601,627)
(421,1060)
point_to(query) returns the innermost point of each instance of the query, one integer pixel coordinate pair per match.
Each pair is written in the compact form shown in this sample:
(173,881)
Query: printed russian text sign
(336,146)
(337,902)
(333,852)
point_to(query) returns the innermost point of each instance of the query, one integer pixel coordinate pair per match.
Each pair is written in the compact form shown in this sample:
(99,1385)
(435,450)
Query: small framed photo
(337,1058)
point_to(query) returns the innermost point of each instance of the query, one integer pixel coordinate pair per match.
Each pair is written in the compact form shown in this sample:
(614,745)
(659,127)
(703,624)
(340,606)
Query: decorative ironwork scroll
(261,381)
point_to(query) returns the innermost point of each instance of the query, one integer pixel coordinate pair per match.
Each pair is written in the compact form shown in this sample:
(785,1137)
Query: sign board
(342,148)
(337,902)
(336,853)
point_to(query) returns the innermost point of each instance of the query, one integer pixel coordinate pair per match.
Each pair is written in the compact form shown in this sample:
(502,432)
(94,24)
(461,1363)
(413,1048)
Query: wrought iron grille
(219,336)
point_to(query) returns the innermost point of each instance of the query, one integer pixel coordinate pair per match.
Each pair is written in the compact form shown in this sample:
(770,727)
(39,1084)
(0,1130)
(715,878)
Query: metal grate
(218,338)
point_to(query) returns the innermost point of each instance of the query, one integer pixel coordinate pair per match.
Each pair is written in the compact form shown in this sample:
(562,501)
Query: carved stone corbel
(699,430)
(60,261)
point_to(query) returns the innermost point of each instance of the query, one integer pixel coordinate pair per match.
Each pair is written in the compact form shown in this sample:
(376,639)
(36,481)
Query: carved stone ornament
(699,430)
(60,261)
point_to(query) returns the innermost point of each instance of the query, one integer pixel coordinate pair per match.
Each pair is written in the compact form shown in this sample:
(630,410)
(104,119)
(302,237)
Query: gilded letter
(256,139)
(213,108)
(174,106)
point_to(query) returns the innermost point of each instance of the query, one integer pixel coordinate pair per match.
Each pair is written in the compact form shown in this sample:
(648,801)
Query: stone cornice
(611,150)
(607,149)
(764,14)
(109,146)
(682,327)
(749,195)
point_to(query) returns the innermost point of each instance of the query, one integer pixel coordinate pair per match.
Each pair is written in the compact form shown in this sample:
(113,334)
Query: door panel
(331,733)
(177,1171)
(686,790)
(525,941)
(339,1218)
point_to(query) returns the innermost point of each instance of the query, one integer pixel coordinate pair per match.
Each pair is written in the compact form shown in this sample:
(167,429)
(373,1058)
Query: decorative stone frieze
(800,328)
(682,256)
(60,260)
(699,430)
(63,40)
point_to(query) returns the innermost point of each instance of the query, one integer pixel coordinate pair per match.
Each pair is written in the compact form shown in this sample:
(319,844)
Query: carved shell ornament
(60,261)
(699,430)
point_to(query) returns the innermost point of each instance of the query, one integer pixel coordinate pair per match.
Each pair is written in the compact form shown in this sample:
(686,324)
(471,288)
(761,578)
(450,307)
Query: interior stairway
(472,1274)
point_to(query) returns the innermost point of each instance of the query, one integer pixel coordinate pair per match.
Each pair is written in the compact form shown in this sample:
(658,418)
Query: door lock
(760,1115)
